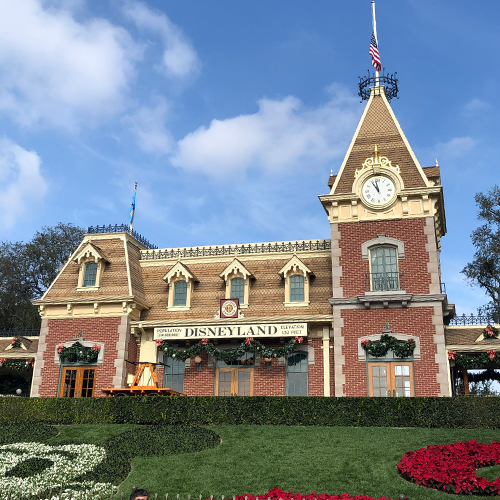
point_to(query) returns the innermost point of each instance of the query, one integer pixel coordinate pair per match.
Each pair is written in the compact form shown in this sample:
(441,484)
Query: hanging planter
(250,344)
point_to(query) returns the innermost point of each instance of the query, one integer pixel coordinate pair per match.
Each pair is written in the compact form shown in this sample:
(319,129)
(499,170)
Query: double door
(234,382)
(390,380)
(77,382)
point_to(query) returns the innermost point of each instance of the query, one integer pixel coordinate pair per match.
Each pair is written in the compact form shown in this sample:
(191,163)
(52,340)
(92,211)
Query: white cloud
(474,107)
(56,70)
(179,57)
(22,183)
(281,134)
(148,126)
(455,148)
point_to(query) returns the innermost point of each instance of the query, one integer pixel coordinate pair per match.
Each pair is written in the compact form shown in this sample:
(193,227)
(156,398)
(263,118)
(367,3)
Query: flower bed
(277,494)
(452,467)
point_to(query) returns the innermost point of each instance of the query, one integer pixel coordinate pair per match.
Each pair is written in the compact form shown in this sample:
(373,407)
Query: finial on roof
(375,154)
(437,164)
(331,171)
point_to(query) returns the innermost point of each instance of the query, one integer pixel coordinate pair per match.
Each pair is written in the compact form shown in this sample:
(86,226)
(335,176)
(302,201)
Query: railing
(20,333)
(471,320)
(278,247)
(384,282)
(120,228)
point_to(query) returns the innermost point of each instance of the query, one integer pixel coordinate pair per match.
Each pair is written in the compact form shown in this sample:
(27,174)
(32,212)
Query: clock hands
(374,183)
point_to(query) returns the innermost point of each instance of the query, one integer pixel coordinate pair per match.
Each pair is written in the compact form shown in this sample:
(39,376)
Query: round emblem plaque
(229,308)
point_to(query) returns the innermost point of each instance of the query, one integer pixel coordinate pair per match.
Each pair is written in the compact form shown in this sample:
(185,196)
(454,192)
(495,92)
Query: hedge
(472,413)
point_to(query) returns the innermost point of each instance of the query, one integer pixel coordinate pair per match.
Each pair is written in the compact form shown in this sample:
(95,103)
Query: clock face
(378,190)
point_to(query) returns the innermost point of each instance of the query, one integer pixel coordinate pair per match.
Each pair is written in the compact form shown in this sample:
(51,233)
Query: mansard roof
(90,250)
(379,127)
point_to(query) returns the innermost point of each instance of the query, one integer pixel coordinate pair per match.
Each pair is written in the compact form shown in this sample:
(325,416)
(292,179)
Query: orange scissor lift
(143,390)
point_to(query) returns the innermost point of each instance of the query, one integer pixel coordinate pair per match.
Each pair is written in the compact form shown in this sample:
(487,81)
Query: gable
(379,127)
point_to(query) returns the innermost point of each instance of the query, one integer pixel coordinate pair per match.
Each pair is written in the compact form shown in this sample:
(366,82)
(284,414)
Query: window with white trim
(238,289)
(297,278)
(181,283)
(384,274)
(90,274)
(297,378)
(92,263)
(237,278)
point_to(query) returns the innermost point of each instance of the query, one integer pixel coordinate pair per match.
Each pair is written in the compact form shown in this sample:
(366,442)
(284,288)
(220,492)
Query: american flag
(374,53)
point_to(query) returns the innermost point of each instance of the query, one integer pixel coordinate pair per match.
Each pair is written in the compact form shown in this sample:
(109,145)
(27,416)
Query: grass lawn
(254,459)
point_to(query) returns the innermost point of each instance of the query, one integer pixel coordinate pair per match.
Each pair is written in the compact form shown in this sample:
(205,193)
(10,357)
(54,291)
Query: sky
(230,115)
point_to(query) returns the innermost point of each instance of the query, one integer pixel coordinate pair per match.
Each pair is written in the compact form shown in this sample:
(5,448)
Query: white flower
(60,474)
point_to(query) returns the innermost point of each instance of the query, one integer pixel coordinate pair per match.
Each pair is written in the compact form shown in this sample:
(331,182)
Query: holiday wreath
(490,332)
(250,344)
(379,348)
(78,352)
(452,467)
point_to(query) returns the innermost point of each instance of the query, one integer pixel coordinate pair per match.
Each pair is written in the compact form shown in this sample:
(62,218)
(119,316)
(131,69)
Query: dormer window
(181,283)
(92,263)
(90,274)
(297,280)
(237,278)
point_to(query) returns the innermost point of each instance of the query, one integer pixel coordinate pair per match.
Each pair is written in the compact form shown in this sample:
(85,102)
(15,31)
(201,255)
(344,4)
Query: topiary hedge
(473,413)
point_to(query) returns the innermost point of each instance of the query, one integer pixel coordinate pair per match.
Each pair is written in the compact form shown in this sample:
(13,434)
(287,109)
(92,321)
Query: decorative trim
(89,252)
(382,239)
(376,160)
(399,336)
(244,249)
(294,265)
(177,271)
(85,343)
(236,268)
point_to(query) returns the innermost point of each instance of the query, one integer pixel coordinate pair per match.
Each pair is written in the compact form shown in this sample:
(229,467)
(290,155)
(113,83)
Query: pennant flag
(375,54)
(132,209)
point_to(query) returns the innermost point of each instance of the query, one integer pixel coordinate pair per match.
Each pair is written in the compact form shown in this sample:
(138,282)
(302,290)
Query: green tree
(28,269)
(484,271)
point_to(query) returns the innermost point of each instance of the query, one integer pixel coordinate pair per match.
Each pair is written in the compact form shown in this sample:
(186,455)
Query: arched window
(296,288)
(180,293)
(297,383)
(174,373)
(384,268)
(90,274)
(238,289)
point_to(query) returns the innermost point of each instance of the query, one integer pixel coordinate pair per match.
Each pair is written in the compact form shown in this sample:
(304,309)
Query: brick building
(378,274)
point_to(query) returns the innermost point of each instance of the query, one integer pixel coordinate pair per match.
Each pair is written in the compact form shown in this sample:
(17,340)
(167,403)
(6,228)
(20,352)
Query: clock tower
(387,218)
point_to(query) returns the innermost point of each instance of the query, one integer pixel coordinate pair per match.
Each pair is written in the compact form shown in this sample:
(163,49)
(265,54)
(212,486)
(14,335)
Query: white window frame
(90,253)
(295,267)
(179,273)
(237,270)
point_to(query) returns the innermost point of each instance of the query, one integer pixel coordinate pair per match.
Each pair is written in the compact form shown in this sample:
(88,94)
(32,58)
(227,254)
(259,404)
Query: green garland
(474,360)
(488,374)
(16,342)
(490,332)
(250,344)
(18,365)
(379,348)
(79,353)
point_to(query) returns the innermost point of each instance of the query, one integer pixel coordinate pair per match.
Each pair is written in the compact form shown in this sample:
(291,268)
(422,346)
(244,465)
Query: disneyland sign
(235,331)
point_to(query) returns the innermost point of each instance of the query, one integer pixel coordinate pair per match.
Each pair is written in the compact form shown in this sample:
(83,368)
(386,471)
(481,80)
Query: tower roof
(379,127)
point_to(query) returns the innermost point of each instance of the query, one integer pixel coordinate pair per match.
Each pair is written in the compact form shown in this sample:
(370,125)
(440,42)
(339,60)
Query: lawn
(254,459)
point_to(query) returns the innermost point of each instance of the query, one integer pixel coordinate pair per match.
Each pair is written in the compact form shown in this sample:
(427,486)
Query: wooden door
(390,379)
(77,382)
(234,382)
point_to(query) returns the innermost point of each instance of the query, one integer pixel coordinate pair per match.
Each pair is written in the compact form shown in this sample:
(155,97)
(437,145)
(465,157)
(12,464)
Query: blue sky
(230,115)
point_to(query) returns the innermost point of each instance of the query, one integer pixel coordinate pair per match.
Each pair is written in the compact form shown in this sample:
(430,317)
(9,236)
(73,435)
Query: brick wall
(94,329)
(414,265)
(416,321)
(266,382)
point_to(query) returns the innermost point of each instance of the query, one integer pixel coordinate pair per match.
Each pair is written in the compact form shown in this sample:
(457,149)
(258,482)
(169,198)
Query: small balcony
(384,282)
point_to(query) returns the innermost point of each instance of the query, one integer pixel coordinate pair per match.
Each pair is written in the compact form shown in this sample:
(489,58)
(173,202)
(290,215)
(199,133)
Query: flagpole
(132,210)
(374,24)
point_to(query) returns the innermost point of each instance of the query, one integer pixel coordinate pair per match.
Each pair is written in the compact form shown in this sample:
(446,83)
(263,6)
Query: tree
(485,269)
(28,269)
